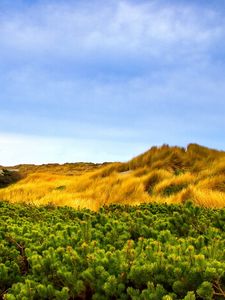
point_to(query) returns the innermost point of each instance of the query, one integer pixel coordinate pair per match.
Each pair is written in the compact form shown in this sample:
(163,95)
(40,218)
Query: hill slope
(162,174)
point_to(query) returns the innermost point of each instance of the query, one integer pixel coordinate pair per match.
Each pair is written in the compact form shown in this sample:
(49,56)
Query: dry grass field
(162,174)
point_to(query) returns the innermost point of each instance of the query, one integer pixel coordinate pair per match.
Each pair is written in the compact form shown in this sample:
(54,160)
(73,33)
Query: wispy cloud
(119,28)
(141,72)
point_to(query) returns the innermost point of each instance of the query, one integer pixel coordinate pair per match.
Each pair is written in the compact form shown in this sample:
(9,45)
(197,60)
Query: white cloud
(119,29)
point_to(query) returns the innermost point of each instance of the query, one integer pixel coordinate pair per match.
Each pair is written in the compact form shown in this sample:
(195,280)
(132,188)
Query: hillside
(162,174)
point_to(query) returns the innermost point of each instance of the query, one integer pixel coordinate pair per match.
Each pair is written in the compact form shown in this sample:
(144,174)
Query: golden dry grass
(173,184)
(164,174)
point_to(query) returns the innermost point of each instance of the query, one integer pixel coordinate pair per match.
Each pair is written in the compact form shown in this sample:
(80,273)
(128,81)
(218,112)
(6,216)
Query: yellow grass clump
(215,183)
(153,178)
(202,197)
(173,185)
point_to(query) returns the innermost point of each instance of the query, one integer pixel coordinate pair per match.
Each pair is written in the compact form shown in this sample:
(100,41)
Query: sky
(99,81)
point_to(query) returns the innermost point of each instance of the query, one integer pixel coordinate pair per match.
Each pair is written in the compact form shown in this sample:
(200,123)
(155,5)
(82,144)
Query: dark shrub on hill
(8,177)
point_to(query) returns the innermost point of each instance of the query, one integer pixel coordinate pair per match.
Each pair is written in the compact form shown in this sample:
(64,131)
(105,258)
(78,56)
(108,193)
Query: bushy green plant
(121,252)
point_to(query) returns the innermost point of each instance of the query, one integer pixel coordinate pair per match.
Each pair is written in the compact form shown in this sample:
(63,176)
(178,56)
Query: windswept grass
(173,184)
(162,174)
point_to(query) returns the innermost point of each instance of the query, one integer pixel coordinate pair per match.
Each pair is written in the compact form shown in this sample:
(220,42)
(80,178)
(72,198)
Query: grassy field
(162,174)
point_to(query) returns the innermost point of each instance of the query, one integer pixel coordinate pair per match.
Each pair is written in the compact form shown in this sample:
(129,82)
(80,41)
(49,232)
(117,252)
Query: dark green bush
(8,177)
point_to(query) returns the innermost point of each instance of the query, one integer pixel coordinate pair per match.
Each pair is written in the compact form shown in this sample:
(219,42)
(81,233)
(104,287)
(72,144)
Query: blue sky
(105,80)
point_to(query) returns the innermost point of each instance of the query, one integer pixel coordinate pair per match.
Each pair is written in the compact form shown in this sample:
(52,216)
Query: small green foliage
(190,296)
(205,291)
(173,189)
(60,188)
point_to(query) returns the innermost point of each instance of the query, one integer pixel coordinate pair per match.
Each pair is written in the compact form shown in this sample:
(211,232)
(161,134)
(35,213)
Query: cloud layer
(142,72)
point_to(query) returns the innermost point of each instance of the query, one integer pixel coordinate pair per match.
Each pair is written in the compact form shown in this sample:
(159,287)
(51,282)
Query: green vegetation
(8,177)
(148,252)
(173,189)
